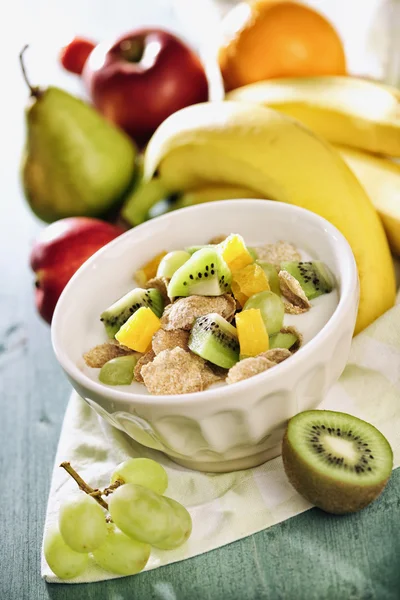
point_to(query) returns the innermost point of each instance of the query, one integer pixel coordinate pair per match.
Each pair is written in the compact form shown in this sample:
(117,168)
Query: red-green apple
(142,78)
(60,250)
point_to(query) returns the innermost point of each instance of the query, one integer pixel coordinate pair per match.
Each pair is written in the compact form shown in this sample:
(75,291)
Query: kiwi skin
(328,494)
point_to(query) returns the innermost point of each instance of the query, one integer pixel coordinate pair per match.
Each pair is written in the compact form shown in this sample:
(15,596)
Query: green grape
(143,471)
(121,554)
(143,514)
(118,371)
(181,529)
(149,517)
(62,560)
(82,522)
(272,276)
(283,340)
(252,252)
(272,310)
(172,262)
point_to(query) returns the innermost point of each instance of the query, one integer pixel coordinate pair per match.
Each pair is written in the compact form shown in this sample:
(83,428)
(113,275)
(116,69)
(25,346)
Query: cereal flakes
(99,355)
(278,253)
(173,372)
(167,340)
(182,313)
(277,355)
(145,359)
(293,292)
(248,367)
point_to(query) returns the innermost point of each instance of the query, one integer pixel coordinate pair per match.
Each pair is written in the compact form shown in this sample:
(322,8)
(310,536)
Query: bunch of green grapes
(139,517)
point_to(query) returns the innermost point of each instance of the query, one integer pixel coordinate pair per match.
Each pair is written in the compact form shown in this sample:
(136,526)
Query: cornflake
(248,368)
(276,355)
(293,292)
(296,333)
(211,374)
(143,360)
(173,372)
(99,355)
(167,340)
(291,309)
(182,313)
(217,239)
(278,253)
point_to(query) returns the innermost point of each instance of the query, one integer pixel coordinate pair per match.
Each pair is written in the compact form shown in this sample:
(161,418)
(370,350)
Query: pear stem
(35,91)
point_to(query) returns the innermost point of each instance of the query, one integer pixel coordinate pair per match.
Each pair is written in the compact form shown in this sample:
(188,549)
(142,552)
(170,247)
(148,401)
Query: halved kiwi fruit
(118,313)
(314,277)
(336,461)
(215,340)
(204,274)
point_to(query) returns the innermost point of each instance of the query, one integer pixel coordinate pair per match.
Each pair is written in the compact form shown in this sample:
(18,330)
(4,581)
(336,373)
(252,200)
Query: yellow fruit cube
(149,270)
(252,334)
(249,281)
(139,329)
(235,253)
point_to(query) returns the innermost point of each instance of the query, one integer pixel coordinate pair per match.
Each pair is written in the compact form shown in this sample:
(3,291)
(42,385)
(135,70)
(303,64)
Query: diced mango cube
(137,332)
(249,281)
(252,334)
(149,270)
(235,253)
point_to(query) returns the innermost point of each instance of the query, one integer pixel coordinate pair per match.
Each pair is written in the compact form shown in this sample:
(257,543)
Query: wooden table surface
(312,556)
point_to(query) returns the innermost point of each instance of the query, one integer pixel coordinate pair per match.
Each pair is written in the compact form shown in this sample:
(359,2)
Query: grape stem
(95,493)
(109,490)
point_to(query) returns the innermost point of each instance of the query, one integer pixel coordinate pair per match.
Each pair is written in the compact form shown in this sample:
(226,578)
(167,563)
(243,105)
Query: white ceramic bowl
(228,427)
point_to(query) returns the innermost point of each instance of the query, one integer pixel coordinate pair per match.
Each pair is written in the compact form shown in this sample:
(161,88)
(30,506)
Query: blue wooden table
(310,557)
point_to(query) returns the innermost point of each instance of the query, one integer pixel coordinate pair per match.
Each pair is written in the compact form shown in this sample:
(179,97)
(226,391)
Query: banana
(258,148)
(380,178)
(345,110)
(214,192)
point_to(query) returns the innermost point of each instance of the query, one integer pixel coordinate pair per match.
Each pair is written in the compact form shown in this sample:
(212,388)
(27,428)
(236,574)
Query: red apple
(143,78)
(60,250)
(74,55)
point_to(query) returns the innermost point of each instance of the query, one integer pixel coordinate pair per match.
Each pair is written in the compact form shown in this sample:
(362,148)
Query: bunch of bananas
(314,142)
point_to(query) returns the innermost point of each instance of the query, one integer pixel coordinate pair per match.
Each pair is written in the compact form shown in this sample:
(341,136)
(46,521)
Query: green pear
(75,161)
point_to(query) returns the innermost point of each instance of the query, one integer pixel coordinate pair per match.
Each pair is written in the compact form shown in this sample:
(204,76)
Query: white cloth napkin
(228,507)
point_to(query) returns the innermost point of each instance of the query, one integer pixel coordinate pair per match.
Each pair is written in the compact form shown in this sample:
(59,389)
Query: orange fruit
(276,38)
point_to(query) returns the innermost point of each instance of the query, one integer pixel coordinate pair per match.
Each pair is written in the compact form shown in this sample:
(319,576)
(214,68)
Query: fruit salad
(212,314)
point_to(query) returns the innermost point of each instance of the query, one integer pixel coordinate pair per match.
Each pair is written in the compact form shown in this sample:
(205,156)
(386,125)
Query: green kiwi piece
(172,262)
(192,249)
(204,274)
(314,277)
(283,340)
(336,461)
(271,307)
(119,312)
(272,275)
(118,371)
(215,340)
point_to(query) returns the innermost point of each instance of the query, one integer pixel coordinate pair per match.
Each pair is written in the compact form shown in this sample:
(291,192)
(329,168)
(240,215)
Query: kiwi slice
(119,312)
(192,249)
(314,277)
(215,340)
(118,371)
(336,461)
(204,274)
